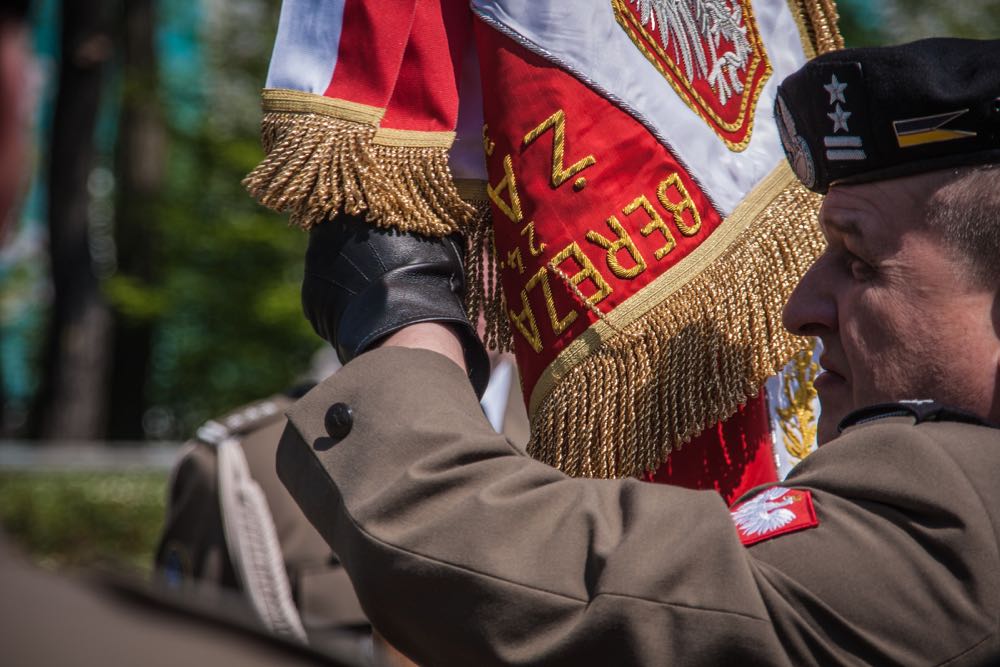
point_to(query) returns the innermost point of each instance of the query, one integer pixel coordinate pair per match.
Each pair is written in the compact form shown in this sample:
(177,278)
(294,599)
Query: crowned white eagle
(708,37)
(765,512)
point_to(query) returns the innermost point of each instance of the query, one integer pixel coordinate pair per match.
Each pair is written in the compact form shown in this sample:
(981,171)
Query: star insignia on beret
(836,89)
(839,118)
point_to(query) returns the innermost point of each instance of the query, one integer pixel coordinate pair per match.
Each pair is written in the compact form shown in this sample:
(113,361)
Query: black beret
(868,114)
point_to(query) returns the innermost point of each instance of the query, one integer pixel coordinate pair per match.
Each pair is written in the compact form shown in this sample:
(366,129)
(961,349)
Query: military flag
(633,229)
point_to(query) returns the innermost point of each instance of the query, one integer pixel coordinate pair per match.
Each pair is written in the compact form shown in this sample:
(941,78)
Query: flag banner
(647,229)
(360,110)
(633,229)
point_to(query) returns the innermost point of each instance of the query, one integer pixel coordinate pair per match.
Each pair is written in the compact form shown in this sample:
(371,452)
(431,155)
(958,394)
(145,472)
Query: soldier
(880,548)
(231,524)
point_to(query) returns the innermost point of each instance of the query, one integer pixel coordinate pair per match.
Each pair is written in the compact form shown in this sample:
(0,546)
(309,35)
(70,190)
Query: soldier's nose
(811,309)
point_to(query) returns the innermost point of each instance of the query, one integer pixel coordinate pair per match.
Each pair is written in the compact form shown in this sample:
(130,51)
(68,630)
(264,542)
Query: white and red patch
(773,512)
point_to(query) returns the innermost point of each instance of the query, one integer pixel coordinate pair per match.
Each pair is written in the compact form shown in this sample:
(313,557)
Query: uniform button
(339,420)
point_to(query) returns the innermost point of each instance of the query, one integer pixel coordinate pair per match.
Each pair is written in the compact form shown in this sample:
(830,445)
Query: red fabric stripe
(372,41)
(426,94)
(732,457)
(521,90)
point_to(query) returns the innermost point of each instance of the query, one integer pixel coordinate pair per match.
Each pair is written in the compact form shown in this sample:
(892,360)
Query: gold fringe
(484,293)
(316,165)
(817,20)
(689,361)
(412,190)
(326,155)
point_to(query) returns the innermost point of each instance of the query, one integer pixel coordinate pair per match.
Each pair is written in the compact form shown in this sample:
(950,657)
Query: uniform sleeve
(465,551)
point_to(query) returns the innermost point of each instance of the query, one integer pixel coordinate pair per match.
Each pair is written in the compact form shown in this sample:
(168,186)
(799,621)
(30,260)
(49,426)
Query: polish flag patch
(772,512)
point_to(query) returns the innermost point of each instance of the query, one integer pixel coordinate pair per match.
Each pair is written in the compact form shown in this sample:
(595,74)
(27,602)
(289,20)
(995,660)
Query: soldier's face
(897,313)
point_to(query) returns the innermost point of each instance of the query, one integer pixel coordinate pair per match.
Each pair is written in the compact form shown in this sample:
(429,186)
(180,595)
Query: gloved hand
(362,284)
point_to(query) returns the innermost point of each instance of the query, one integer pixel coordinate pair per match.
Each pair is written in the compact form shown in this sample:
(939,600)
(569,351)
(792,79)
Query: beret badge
(796,149)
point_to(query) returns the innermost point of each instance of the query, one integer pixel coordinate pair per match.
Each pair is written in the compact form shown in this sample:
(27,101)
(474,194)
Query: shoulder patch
(772,512)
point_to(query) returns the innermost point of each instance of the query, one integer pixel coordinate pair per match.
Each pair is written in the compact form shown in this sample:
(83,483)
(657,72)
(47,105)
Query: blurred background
(141,290)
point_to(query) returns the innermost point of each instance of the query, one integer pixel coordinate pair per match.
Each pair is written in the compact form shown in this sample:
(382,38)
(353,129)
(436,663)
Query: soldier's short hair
(966,210)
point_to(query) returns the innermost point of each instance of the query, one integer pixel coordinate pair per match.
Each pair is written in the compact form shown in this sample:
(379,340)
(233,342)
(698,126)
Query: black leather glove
(362,284)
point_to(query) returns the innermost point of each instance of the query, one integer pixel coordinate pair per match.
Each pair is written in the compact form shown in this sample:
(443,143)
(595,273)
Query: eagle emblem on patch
(772,512)
(711,54)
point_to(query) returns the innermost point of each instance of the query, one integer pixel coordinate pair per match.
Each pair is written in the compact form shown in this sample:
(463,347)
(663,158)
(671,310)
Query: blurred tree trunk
(139,169)
(71,402)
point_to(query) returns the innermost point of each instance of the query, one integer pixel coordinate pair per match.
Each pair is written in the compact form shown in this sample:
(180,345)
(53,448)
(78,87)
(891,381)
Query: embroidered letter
(488,145)
(655,224)
(560,174)
(509,183)
(623,242)
(677,209)
(587,272)
(526,324)
(559,324)
(514,260)
(530,231)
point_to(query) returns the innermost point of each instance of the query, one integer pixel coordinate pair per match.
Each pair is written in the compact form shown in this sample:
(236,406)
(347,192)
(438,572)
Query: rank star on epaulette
(772,512)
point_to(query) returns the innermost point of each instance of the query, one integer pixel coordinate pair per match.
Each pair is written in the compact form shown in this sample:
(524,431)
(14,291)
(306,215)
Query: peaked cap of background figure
(633,230)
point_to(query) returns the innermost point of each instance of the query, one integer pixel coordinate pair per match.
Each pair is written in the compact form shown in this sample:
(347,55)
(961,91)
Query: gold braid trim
(650,382)
(817,22)
(326,155)
(484,293)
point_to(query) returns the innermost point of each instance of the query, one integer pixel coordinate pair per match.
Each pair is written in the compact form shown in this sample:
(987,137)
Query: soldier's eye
(860,269)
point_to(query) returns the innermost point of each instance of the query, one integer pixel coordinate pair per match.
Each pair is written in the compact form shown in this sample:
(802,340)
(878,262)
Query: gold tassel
(484,294)
(328,155)
(817,21)
(412,190)
(690,360)
(315,166)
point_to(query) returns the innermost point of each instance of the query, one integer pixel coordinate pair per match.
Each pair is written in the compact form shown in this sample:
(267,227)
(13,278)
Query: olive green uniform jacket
(465,551)
(193,546)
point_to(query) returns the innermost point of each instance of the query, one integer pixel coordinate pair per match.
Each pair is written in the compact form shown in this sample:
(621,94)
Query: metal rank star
(836,90)
(839,118)
(840,146)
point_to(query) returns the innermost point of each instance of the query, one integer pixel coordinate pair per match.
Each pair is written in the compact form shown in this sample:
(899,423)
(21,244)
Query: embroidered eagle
(708,37)
(765,512)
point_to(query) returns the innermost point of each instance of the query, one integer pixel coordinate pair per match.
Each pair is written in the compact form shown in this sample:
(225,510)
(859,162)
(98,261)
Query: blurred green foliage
(225,303)
(81,518)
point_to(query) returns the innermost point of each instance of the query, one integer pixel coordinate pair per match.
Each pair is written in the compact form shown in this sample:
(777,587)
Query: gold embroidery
(640,37)
(488,145)
(798,419)
(283,100)
(655,224)
(514,260)
(530,332)
(677,209)
(623,242)
(559,324)
(387,136)
(587,272)
(509,183)
(698,341)
(560,174)
(530,231)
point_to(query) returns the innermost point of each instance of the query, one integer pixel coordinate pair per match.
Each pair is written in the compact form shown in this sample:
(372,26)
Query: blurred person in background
(17,99)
